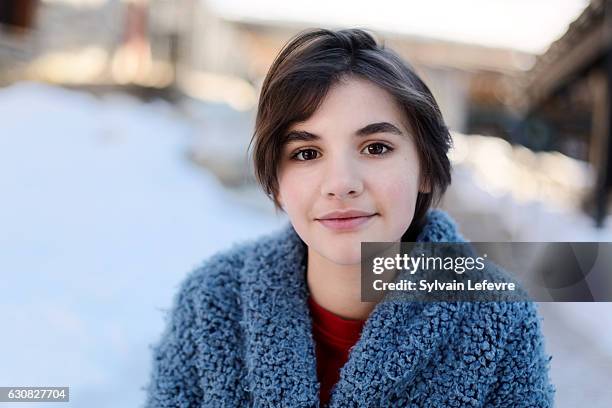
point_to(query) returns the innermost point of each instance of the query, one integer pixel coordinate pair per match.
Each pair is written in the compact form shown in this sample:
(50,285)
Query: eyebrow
(372,128)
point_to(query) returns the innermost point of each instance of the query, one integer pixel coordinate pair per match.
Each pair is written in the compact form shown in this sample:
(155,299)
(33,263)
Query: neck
(336,287)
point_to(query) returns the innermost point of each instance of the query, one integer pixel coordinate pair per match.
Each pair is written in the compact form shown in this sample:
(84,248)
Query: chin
(344,256)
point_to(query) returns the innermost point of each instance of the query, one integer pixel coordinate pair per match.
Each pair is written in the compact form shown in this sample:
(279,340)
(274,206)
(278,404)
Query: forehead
(351,104)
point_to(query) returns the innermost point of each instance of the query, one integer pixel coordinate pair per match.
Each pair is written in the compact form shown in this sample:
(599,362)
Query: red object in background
(334,337)
(136,25)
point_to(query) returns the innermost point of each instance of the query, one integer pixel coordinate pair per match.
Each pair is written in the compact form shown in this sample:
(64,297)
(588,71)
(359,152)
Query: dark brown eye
(377,149)
(306,154)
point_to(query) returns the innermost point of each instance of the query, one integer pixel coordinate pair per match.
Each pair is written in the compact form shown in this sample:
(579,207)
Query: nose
(341,180)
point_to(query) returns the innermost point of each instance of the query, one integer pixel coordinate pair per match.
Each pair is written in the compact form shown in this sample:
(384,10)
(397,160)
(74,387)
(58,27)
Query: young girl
(350,143)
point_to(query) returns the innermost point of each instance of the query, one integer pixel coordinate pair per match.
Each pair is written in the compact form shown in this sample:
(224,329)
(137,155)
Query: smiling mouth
(347,223)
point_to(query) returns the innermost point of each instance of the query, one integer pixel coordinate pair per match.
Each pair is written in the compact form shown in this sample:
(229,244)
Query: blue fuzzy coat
(240,335)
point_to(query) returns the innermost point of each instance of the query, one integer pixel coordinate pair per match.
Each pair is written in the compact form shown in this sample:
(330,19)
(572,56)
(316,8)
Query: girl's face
(350,173)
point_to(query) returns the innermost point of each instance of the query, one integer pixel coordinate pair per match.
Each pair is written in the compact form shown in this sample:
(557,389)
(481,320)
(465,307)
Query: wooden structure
(573,79)
(17,14)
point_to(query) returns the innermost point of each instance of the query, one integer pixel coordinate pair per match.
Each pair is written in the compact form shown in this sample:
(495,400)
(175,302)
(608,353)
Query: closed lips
(337,215)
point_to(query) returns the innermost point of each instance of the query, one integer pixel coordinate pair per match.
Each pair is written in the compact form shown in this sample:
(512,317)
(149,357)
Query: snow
(101,217)
(533,197)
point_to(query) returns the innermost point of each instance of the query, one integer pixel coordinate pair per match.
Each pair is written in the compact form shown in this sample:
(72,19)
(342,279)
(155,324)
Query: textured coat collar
(278,329)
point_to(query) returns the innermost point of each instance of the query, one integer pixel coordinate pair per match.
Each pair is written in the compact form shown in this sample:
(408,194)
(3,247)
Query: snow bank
(101,217)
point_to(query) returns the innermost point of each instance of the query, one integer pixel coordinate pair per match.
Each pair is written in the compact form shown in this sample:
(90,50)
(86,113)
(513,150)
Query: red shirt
(333,336)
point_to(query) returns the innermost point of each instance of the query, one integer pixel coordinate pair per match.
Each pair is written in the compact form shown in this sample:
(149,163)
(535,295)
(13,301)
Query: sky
(524,25)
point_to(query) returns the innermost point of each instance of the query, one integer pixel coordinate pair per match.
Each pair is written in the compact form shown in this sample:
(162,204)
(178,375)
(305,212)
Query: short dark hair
(305,70)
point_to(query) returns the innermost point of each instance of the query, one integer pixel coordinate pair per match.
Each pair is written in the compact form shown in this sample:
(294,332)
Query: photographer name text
(435,286)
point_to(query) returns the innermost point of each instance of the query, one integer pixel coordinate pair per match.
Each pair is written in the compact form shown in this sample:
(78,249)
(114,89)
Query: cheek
(400,195)
(399,188)
(293,191)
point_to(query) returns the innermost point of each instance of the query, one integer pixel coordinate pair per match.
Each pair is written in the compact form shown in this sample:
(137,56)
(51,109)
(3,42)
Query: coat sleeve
(523,370)
(174,380)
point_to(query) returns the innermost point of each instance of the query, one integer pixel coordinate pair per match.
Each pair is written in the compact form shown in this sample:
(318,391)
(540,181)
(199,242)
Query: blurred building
(16,20)
(186,43)
(568,99)
(17,15)
(471,82)
(87,42)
